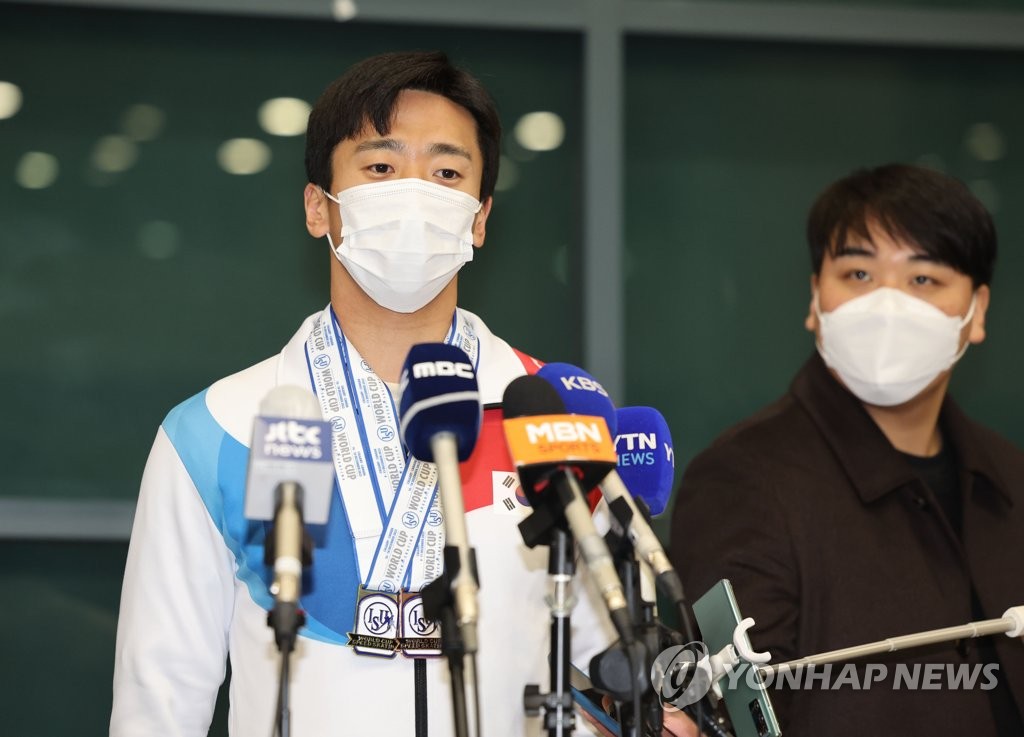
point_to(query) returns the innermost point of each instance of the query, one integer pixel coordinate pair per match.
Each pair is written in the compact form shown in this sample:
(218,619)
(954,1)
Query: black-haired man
(401,158)
(864,504)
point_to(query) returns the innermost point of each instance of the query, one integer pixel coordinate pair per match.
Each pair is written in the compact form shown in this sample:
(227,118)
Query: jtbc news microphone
(554,453)
(645,457)
(440,421)
(290,479)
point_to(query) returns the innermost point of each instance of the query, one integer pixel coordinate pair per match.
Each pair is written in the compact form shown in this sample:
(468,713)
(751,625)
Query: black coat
(831,540)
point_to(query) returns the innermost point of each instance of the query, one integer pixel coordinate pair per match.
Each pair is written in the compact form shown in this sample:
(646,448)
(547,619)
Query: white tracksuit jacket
(195,588)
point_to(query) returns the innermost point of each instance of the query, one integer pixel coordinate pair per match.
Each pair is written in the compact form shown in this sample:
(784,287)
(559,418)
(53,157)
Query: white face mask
(887,346)
(404,240)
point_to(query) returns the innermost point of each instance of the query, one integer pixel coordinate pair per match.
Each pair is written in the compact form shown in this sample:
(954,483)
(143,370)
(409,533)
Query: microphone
(290,477)
(581,392)
(440,416)
(554,453)
(645,456)
(647,465)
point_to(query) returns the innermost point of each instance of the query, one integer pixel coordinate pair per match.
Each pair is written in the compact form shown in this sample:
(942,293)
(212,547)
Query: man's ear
(976,329)
(480,222)
(316,205)
(811,321)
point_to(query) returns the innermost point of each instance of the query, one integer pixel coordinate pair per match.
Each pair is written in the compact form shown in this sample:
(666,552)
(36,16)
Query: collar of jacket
(873,466)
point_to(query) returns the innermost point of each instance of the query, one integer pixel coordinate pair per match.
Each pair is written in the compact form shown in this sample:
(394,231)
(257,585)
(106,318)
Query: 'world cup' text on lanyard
(390,498)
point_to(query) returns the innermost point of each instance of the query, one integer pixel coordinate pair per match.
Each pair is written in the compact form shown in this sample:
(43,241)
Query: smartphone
(746,698)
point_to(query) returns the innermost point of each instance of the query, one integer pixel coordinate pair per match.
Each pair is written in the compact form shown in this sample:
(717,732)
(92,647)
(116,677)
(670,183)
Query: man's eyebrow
(434,149)
(449,149)
(852,250)
(380,144)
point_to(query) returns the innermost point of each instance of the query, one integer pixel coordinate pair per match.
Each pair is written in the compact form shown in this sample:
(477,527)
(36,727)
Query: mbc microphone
(554,453)
(290,478)
(440,416)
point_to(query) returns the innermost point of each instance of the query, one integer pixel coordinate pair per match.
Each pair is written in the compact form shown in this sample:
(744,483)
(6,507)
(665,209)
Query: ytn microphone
(647,466)
(647,460)
(554,453)
(290,479)
(440,415)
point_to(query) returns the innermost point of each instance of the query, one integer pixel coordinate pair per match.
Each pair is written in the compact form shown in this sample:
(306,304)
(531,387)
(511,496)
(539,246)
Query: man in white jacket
(401,157)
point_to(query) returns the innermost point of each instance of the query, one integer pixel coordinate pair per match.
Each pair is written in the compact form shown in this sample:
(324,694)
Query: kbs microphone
(554,453)
(645,456)
(290,478)
(581,392)
(440,416)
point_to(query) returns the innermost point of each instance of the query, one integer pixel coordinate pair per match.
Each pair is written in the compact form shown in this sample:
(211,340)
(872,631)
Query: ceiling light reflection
(243,156)
(10,99)
(540,131)
(284,116)
(36,170)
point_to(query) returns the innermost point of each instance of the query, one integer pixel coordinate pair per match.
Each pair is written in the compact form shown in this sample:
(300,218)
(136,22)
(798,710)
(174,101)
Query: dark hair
(367,92)
(921,206)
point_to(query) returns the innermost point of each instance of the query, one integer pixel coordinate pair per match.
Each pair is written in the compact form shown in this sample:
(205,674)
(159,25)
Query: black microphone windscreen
(528,396)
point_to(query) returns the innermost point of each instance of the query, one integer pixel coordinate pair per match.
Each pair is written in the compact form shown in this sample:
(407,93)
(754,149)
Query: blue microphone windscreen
(439,394)
(580,391)
(646,459)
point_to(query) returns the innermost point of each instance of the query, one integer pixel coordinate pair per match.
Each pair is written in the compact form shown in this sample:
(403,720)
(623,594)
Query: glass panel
(727,146)
(134,270)
(59,620)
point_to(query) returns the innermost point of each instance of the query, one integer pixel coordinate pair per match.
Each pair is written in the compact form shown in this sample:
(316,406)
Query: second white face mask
(404,240)
(887,346)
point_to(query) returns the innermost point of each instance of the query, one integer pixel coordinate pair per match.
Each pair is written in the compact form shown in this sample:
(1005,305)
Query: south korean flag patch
(509,498)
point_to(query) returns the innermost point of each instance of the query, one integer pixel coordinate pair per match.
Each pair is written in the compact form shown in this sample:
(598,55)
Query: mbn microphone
(554,453)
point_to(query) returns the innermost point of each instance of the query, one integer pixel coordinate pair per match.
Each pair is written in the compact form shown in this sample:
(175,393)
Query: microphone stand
(559,718)
(439,606)
(543,527)
(451,598)
(615,670)
(623,672)
(285,618)
(645,714)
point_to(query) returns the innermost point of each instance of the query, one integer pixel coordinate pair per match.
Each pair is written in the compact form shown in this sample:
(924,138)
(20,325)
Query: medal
(376,624)
(420,637)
